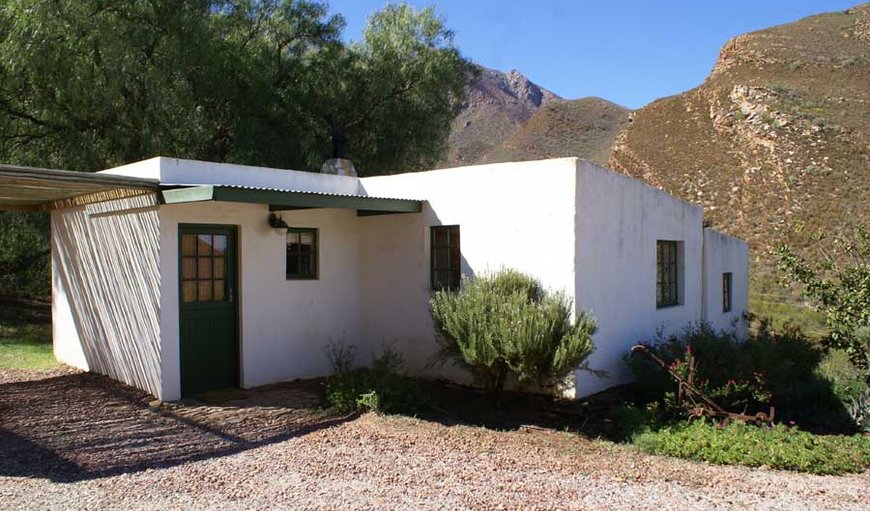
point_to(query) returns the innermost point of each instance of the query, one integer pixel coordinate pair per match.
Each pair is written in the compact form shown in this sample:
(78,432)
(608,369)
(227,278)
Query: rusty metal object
(697,403)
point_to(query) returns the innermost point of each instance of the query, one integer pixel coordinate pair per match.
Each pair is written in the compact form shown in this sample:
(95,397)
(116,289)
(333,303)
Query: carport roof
(36,189)
(280,199)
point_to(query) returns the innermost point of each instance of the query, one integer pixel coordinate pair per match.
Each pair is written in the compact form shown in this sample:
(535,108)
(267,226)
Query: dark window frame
(313,272)
(727,291)
(453,269)
(667,273)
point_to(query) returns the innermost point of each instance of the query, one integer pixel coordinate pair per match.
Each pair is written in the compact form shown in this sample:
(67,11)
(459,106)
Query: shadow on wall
(397,291)
(106,264)
(85,426)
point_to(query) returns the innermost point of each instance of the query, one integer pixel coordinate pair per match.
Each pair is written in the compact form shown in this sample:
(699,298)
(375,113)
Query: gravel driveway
(78,441)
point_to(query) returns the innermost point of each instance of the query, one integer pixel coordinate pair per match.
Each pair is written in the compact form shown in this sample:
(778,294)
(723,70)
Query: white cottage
(179,276)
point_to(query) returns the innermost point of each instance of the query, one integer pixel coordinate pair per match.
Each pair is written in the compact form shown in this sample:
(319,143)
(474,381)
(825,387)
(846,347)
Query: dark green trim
(233,247)
(280,200)
(315,255)
(451,272)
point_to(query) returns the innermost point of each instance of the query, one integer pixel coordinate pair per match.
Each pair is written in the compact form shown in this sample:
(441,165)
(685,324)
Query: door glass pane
(441,258)
(205,288)
(204,271)
(188,245)
(440,237)
(189,268)
(219,290)
(188,291)
(204,244)
(220,244)
(220,270)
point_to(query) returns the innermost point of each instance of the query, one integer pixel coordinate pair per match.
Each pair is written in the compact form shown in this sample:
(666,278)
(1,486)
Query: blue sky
(630,52)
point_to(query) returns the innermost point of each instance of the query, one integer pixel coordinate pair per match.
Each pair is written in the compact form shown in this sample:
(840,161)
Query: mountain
(506,117)
(775,138)
(497,104)
(582,127)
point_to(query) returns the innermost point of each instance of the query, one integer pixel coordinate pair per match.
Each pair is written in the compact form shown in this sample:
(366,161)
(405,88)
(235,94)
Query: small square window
(301,253)
(446,258)
(667,272)
(726,292)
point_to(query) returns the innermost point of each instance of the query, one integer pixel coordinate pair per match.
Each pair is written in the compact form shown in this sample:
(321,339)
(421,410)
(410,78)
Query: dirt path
(75,441)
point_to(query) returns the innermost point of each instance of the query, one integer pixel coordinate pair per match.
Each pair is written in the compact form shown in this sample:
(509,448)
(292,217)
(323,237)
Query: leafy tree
(506,325)
(840,287)
(92,84)
(394,93)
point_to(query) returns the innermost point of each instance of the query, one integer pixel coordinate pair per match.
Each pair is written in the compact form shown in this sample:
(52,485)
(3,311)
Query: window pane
(188,245)
(292,237)
(205,287)
(305,238)
(188,291)
(439,280)
(441,257)
(204,265)
(440,237)
(219,290)
(220,270)
(188,268)
(204,244)
(220,244)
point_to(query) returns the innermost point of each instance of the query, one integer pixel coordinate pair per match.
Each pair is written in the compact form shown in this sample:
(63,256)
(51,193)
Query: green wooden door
(208,318)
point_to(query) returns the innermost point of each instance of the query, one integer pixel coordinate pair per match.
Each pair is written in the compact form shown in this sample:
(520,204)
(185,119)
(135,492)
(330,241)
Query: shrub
(779,369)
(779,447)
(381,388)
(840,287)
(507,324)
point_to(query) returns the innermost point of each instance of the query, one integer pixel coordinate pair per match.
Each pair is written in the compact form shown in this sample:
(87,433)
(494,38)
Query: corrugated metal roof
(289,190)
(36,189)
(279,199)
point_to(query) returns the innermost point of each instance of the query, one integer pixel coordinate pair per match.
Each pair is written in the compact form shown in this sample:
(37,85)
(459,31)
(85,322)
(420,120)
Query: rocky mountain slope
(497,104)
(582,127)
(506,117)
(778,136)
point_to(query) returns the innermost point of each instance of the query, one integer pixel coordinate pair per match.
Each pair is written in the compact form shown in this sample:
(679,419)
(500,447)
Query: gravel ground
(74,441)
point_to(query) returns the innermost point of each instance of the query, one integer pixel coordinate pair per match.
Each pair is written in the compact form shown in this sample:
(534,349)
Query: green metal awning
(36,189)
(279,200)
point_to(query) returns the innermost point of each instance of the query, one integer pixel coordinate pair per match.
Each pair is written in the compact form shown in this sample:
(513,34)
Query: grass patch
(780,447)
(26,346)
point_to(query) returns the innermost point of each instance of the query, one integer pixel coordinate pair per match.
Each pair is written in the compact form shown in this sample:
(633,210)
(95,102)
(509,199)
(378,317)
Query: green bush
(779,447)
(779,369)
(507,325)
(840,288)
(381,388)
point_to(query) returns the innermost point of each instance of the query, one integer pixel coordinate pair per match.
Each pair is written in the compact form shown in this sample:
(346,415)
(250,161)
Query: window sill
(670,306)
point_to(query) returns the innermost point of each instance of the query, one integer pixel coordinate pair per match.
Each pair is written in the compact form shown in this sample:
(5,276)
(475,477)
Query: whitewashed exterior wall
(576,226)
(106,290)
(619,220)
(723,253)
(517,215)
(284,324)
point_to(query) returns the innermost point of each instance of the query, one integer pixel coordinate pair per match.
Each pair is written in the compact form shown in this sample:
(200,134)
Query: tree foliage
(506,325)
(89,84)
(840,288)
(92,84)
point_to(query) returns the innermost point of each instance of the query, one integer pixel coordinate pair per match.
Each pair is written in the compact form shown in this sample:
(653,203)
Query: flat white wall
(284,324)
(723,253)
(516,215)
(619,220)
(106,289)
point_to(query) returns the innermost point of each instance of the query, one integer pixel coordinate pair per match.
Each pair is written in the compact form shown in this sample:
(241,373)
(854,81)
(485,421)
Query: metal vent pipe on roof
(338,167)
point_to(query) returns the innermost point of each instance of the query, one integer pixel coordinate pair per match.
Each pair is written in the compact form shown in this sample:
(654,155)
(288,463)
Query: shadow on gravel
(83,426)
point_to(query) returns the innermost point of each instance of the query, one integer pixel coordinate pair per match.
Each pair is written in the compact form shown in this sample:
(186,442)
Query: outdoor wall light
(276,222)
